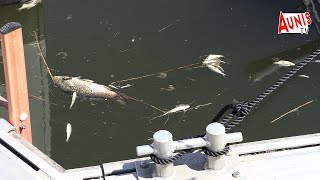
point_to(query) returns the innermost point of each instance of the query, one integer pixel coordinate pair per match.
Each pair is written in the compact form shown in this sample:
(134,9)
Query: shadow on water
(109,41)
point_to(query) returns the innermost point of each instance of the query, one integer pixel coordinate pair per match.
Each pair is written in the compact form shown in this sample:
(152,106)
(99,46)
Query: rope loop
(224,151)
(242,109)
(171,159)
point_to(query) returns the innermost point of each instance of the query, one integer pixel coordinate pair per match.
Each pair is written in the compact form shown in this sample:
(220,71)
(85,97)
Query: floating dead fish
(317,61)
(216,69)
(69,131)
(178,108)
(74,96)
(29,4)
(304,76)
(213,62)
(284,63)
(212,58)
(87,88)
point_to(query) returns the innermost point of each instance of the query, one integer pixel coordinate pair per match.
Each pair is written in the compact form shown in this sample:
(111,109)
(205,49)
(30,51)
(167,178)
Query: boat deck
(293,158)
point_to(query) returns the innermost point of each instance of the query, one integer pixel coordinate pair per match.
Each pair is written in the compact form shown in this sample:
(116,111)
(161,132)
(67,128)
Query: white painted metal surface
(163,143)
(263,160)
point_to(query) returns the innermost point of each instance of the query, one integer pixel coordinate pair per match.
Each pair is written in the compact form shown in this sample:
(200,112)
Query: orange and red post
(15,78)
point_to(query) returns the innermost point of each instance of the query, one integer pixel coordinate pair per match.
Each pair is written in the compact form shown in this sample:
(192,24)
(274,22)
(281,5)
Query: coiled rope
(239,111)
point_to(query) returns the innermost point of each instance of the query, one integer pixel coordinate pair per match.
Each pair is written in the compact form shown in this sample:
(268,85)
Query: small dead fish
(216,69)
(30,4)
(181,107)
(284,63)
(317,61)
(69,131)
(304,76)
(87,88)
(74,96)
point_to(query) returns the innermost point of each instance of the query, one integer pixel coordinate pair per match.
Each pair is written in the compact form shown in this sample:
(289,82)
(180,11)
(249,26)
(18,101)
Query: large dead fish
(212,58)
(86,88)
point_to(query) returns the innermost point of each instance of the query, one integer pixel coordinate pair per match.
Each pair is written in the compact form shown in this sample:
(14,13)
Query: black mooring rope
(169,160)
(240,111)
(224,151)
(243,109)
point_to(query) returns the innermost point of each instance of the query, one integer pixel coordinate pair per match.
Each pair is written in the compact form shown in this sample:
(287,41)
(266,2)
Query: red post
(15,78)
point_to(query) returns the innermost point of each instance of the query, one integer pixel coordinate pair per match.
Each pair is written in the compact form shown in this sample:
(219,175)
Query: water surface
(108,41)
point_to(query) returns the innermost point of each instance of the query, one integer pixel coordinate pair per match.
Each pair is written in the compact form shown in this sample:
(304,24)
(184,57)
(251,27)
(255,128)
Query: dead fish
(317,61)
(87,88)
(68,130)
(216,69)
(181,107)
(212,58)
(74,96)
(30,4)
(304,76)
(284,63)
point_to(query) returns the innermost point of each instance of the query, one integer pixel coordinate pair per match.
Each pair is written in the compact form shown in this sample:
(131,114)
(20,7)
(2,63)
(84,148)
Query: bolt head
(144,164)
(236,174)
(23,116)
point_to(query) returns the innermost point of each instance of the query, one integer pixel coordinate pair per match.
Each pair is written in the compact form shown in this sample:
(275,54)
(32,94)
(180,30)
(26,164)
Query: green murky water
(108,41)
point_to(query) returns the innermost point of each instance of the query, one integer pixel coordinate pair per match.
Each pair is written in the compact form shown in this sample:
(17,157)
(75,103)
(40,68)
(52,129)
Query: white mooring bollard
(218,139)
(163,145)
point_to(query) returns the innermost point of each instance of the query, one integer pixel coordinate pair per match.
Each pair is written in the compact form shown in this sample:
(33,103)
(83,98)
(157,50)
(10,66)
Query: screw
(236,174)
(22,126)
(23,116)
(144,164)
(193,178)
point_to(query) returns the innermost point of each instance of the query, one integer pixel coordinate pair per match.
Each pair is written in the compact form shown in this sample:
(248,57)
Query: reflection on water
(264,67)
(109,41)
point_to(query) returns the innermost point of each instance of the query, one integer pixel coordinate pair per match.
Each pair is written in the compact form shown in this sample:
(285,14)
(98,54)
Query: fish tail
(122,99)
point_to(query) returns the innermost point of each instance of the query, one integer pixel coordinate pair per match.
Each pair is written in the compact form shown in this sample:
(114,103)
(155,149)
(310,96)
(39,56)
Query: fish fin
(77,77)
(109,88)
(221,69)
(88,80)
(74,97)
(112,86)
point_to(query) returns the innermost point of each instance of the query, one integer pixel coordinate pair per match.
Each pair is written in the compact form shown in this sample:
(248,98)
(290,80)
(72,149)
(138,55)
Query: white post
(216,135)
(163,145)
